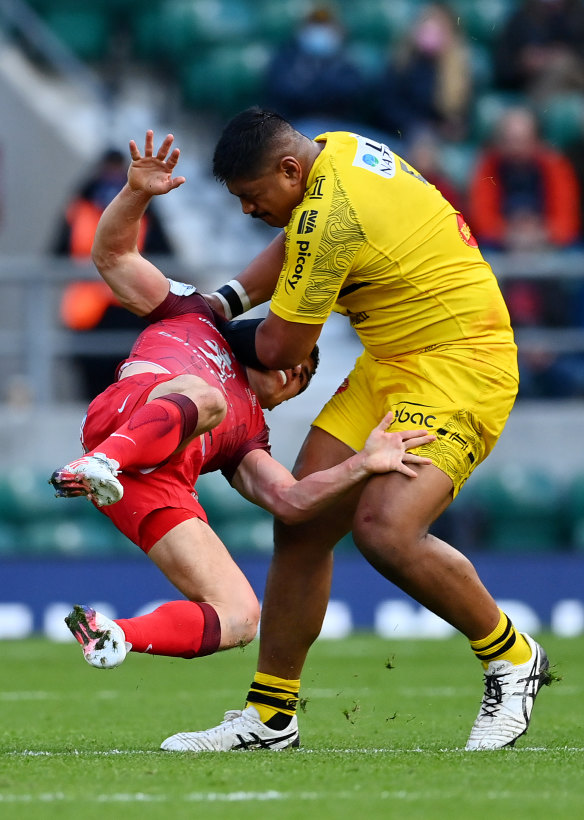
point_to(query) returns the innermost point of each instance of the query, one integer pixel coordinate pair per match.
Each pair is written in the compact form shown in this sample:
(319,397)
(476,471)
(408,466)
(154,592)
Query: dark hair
(315,356)
(248,142)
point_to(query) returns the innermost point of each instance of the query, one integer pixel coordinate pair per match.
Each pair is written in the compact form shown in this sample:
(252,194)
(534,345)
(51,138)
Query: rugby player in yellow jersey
(366,235)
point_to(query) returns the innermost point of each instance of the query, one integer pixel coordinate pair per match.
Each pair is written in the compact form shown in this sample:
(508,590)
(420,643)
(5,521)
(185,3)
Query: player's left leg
(391,530)
(221,610)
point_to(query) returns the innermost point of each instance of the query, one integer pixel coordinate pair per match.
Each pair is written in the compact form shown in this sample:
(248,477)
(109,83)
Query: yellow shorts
(459,397)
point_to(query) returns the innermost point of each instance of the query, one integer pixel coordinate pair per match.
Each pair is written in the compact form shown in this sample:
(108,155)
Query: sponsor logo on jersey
(316,191)
(303,254)
(465,232)
(452,435)
(358,318)
(220,358)
(307,221)
(374,156)
(414,414)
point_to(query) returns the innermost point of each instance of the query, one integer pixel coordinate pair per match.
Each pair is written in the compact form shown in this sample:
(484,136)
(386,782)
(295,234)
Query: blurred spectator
(77,229)
(574,151)
(541,48)
(311,78)
(424,154)
(90,305)
(524,195)
(428,81)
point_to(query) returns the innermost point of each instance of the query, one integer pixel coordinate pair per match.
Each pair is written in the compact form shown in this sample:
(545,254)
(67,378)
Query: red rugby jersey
(183,338)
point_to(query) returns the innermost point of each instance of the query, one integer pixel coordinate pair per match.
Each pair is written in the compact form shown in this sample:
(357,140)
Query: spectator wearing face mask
(427,83)
(312,81)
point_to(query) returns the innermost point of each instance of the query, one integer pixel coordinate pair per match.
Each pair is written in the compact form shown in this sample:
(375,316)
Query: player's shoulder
(182,298)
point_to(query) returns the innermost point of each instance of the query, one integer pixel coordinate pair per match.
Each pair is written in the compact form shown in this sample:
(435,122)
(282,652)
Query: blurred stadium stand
(74,78)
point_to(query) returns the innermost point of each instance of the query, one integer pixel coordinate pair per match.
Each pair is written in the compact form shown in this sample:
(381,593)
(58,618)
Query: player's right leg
(144,420)
(294,607)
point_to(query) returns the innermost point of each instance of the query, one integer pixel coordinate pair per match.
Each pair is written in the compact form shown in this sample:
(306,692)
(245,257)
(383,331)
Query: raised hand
(385,451)
(152,173)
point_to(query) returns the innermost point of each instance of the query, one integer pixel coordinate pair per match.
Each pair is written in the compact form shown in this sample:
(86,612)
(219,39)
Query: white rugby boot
(102,640)
(239,731)
(93,476)
(510,692)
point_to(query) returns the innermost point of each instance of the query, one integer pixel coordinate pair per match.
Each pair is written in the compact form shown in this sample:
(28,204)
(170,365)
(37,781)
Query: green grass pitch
(383,727)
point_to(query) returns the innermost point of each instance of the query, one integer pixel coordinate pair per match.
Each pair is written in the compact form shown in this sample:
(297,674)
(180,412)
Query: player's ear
(291,168)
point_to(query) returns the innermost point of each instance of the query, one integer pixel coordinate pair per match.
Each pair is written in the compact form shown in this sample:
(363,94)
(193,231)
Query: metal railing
(32,338)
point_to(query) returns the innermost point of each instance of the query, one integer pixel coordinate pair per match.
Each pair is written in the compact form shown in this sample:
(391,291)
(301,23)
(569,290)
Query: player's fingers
(385,421)
(426,438)
(409,434)
(173,158)
(177,181)
(149,143)
(134,152)
(405,470)
(413,459)
(165,147)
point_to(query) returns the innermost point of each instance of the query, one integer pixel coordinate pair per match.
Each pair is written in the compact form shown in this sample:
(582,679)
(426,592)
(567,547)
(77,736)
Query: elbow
(293,515)
(103,259)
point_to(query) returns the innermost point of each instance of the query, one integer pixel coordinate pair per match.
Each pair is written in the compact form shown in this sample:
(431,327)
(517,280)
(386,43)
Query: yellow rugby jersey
(374,240)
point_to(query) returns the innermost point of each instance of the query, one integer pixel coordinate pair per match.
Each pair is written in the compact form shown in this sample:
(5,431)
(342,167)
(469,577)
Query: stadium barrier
(543,591)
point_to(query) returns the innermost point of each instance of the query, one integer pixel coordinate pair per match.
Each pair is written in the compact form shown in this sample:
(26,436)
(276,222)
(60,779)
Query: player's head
(272,387)
(264,162)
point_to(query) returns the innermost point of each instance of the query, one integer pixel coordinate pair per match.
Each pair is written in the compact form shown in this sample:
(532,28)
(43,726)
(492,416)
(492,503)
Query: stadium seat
(74,538)
(226,80)
(9,540)
(182,29)
(277,22)
(25,495)
(522,510)
(562,119)
(376,20)
(574,512)
(368,56)
(86,31)
(482,21)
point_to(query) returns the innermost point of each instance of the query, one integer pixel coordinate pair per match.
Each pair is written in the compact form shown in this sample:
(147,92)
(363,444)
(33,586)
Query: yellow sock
(503,644)
(271,695)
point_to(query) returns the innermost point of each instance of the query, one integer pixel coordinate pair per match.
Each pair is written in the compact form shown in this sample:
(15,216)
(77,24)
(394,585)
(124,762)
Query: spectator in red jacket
(524,194)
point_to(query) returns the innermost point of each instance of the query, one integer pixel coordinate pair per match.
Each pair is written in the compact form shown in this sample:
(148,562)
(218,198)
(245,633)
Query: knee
(384,540)
(239,625)
(210,400)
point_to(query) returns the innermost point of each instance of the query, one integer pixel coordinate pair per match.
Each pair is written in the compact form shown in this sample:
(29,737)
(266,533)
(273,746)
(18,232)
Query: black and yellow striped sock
(275,699)
(503,644)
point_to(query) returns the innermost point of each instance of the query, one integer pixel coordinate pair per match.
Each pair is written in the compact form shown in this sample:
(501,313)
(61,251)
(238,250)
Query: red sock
(181,629)
(153,432)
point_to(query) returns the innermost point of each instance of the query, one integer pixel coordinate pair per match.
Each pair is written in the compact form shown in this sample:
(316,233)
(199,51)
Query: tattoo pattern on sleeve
(341,238)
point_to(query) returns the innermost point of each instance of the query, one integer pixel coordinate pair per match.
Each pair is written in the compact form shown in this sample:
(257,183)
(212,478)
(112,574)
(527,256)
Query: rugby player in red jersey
(181,405)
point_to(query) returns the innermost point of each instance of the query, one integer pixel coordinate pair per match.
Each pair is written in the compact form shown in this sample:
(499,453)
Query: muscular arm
(267,483)
(281,344)
(136,282)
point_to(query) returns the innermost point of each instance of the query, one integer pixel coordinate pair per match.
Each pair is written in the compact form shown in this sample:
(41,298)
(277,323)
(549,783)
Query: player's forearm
(118,229)
(254,285)
(260,277)
(304,499)
(138,285)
